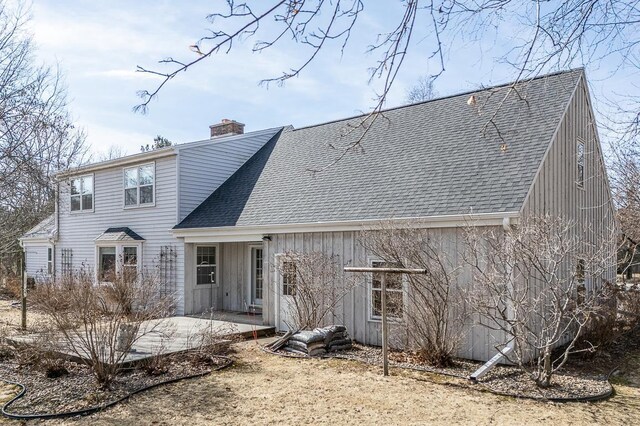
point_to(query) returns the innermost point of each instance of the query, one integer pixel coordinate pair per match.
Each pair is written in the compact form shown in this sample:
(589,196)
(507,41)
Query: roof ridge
(497,86)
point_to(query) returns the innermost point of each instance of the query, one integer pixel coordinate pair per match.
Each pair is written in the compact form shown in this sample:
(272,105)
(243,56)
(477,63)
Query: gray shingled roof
(45,229)
(427,159)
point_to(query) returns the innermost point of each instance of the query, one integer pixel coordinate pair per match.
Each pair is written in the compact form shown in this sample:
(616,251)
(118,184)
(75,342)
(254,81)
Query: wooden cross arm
(389,270)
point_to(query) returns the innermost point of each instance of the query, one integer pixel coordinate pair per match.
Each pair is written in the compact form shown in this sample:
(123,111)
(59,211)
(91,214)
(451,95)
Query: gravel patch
(78,390)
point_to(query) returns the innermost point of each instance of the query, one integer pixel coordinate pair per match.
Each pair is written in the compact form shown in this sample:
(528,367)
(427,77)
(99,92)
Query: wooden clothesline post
(383,297)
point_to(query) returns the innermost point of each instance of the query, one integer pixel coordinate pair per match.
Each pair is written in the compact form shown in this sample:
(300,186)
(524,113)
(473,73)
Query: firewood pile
(319,341)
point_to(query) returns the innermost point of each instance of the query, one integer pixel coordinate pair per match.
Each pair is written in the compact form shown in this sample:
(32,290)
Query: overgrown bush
(541,284)
(100,323)
(316,283)
(436,311)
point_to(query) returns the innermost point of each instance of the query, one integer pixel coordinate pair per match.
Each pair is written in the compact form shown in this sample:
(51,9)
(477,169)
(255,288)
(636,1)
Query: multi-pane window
(66,266)
(580,163)
(50,260)
(106,263)
(130,262)
(288,278)
(257,259)
(206,265)
(395,296)
(82,193)
(138,185)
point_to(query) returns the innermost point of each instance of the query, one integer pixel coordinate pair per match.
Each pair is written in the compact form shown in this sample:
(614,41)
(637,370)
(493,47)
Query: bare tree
(551,35)
(316,283)
(37,137)
(540,283)
(422,91)
(112,153)
(436,311)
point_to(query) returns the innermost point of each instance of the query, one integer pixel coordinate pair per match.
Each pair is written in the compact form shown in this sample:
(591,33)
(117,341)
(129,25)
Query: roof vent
(226,127)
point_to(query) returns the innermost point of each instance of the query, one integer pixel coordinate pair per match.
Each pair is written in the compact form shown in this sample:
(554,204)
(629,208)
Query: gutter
(255,232)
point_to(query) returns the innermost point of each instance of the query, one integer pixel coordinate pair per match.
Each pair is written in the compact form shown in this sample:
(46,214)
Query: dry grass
(265,389)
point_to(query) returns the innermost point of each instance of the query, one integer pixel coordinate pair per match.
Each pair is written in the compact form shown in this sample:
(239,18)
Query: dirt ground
(265,389)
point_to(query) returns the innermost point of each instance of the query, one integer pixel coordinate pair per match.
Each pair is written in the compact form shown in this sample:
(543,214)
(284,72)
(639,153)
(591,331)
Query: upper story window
(580,163)
(139,183)
(82,193)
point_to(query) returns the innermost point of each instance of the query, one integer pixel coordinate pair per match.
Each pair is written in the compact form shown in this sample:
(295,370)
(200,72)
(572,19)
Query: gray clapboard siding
(36,257)
(203,167)
(77,231)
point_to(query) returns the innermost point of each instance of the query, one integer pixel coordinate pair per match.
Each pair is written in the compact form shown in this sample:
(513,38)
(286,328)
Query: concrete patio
(172,335)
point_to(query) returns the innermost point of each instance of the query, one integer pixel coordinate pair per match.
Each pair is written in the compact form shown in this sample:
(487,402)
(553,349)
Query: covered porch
(225,281)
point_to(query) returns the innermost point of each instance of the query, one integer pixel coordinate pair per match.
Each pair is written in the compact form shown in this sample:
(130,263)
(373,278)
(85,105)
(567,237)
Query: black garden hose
(95,409)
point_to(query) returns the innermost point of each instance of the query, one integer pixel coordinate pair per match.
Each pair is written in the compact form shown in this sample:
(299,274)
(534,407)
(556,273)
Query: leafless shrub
(316,283)
(436,311)
(100,323)
(540,283)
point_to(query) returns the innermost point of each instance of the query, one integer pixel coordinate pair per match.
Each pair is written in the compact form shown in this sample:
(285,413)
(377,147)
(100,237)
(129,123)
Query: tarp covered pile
(319,341)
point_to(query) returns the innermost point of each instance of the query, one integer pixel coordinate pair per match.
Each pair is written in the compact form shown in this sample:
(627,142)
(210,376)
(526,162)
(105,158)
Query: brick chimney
(226,127)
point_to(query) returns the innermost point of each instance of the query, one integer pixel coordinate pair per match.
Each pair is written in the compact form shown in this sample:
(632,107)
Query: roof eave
(122,161)
(256,232)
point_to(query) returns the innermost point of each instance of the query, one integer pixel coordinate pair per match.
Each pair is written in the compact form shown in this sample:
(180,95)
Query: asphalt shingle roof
(440,157)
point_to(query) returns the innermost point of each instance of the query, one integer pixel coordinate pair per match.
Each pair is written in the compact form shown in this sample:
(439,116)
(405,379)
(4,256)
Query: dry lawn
(265,389)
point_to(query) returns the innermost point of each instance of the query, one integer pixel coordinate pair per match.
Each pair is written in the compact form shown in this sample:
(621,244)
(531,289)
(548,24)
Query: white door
(286,288)
(205,293)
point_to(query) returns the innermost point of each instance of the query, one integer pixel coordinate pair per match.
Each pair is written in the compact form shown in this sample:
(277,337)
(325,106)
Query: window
(50,260)
(130,263)
(257,259)
(106,263)
(580,162)
(66,266)
(395,293)
(580,275)
(82,193)
(288,278)
(138,185)
(206,265)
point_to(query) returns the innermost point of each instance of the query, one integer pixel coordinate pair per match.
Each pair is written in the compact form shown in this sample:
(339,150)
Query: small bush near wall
(100,323)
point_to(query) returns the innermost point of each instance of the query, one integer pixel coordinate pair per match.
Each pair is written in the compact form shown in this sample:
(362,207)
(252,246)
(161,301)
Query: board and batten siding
(231,292)
(478,342)
(204,167)
(555,191)
(78,230)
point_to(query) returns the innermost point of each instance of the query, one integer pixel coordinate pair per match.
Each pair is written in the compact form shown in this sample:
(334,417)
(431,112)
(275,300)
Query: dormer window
(139,186)
(82,193)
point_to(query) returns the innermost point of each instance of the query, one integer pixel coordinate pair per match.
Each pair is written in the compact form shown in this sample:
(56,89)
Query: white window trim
(580,184)
(277,282)
(195,266)
(93,194)
(51,272)
(378,319)
(138,205)
(249,272)
(119,256)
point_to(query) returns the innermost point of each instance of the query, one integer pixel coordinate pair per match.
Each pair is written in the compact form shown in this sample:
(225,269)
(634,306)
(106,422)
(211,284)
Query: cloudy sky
(98,45)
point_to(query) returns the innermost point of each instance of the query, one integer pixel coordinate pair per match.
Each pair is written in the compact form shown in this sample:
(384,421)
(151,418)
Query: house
(489,157)
(122,210)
